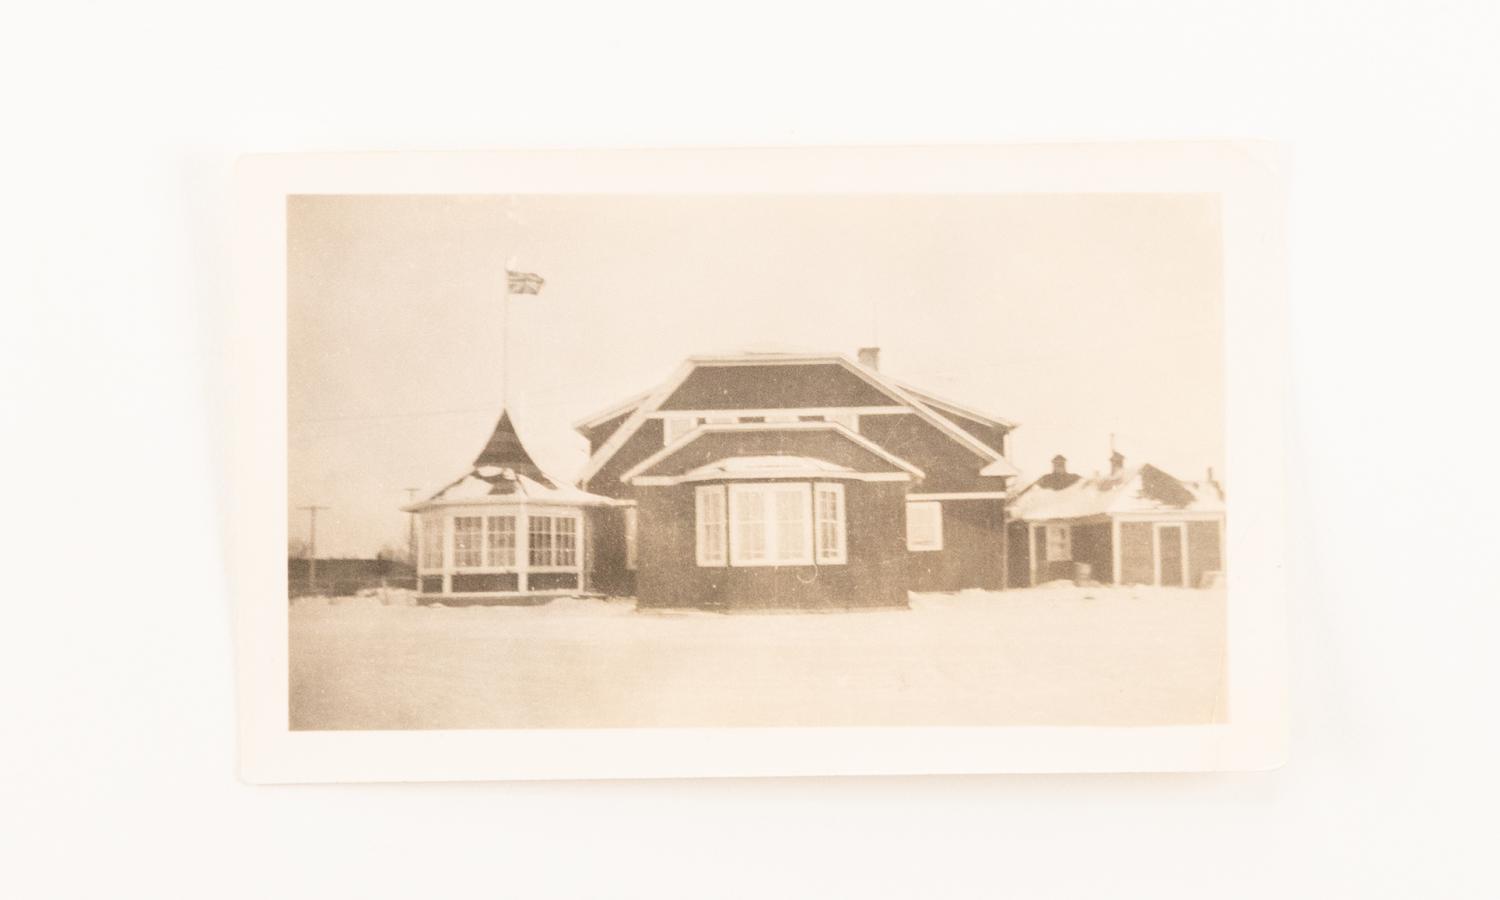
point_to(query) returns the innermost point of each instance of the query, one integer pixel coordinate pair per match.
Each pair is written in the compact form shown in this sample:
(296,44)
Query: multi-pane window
(500,542)
(432,541)
(468,542)
(565,537)
(1059,542)
(772,524)
(553,541)
(828,503)
(711,528)
(924,525)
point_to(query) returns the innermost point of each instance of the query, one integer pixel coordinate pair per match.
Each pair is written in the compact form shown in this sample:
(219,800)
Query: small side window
(924,525)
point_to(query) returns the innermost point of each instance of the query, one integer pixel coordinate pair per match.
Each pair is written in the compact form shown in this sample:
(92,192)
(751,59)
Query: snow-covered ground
(1053,655)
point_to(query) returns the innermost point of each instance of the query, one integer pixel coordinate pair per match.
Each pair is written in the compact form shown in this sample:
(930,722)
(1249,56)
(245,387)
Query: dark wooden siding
(949,466)
(601,432)
(1019,553)
(480,582)
(646,441)
(973,554)
(669,575)
(1137,563)
(1092,545)
(823,444)
(993,437)
(606,553)
(1205,551)
(775,387)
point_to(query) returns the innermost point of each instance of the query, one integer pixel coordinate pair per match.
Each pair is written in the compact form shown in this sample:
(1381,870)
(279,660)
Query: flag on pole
(523,282)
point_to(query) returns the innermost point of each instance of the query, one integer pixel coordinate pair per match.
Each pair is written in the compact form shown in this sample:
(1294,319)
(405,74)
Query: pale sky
(1073,315)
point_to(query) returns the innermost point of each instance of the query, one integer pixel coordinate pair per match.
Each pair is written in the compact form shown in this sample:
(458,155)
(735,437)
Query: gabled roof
(944,405)
(615,411)
(1143,489)
(996,464)
(875,455)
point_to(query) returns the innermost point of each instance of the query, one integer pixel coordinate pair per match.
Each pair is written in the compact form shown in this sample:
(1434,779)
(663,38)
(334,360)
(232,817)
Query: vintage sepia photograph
(756,460)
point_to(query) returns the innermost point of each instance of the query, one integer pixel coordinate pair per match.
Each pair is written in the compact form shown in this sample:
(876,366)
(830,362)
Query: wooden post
(1031,549)
(523,548)
(312,546)
(1004,548)
(443,520)
(1114,546)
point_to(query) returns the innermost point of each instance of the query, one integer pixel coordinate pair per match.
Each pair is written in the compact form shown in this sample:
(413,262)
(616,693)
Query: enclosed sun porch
(505,532)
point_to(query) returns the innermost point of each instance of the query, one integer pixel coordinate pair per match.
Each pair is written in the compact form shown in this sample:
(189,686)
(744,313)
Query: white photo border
(1250,179)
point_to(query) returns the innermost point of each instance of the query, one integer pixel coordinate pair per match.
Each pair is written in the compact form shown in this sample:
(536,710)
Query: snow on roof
(509,486)
(1135,490)
(767,466)
(505,472)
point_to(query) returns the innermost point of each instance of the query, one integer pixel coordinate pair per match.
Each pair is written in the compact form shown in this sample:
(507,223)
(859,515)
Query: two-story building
(799,480)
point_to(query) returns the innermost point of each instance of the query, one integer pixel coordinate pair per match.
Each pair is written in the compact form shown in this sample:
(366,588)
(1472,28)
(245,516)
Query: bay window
(432,541)
(828,508)
(771,524)
(553,541)
(500,542)
(711,528)
(468,542)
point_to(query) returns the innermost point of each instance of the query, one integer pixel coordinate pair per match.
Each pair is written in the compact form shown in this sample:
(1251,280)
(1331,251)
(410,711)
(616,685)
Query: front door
(1169,555)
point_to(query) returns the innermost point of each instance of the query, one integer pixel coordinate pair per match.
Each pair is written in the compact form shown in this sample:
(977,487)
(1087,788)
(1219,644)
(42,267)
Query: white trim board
(788,475)
(859,440)
(785,411)
(996,464)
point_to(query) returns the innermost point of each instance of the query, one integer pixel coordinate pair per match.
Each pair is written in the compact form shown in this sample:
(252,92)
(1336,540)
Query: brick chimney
(869,357)
(1116,462)
(1059,465)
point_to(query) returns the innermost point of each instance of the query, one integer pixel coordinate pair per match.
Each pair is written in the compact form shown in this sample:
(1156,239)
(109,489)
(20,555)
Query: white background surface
(117,757)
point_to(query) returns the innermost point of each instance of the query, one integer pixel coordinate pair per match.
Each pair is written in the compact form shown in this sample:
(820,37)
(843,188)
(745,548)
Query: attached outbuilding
(505,532)
(1135,525)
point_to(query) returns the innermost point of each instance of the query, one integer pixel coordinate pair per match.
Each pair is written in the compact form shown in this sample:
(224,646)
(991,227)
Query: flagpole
(505,337)
(505,346)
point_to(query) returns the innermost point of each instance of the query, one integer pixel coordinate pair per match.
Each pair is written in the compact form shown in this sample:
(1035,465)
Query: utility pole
(411,528)
(312,545)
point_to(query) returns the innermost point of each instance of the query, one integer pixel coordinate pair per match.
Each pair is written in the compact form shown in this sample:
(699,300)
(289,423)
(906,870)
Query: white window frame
(933,508)
(705,519)
(632,538)
(489,533)
(430,555)
(771,524)
(552,533)
(1060,537)
(838,553)
(462,556)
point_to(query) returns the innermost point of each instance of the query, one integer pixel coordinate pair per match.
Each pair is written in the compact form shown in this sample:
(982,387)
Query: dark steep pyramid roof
(505,451)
